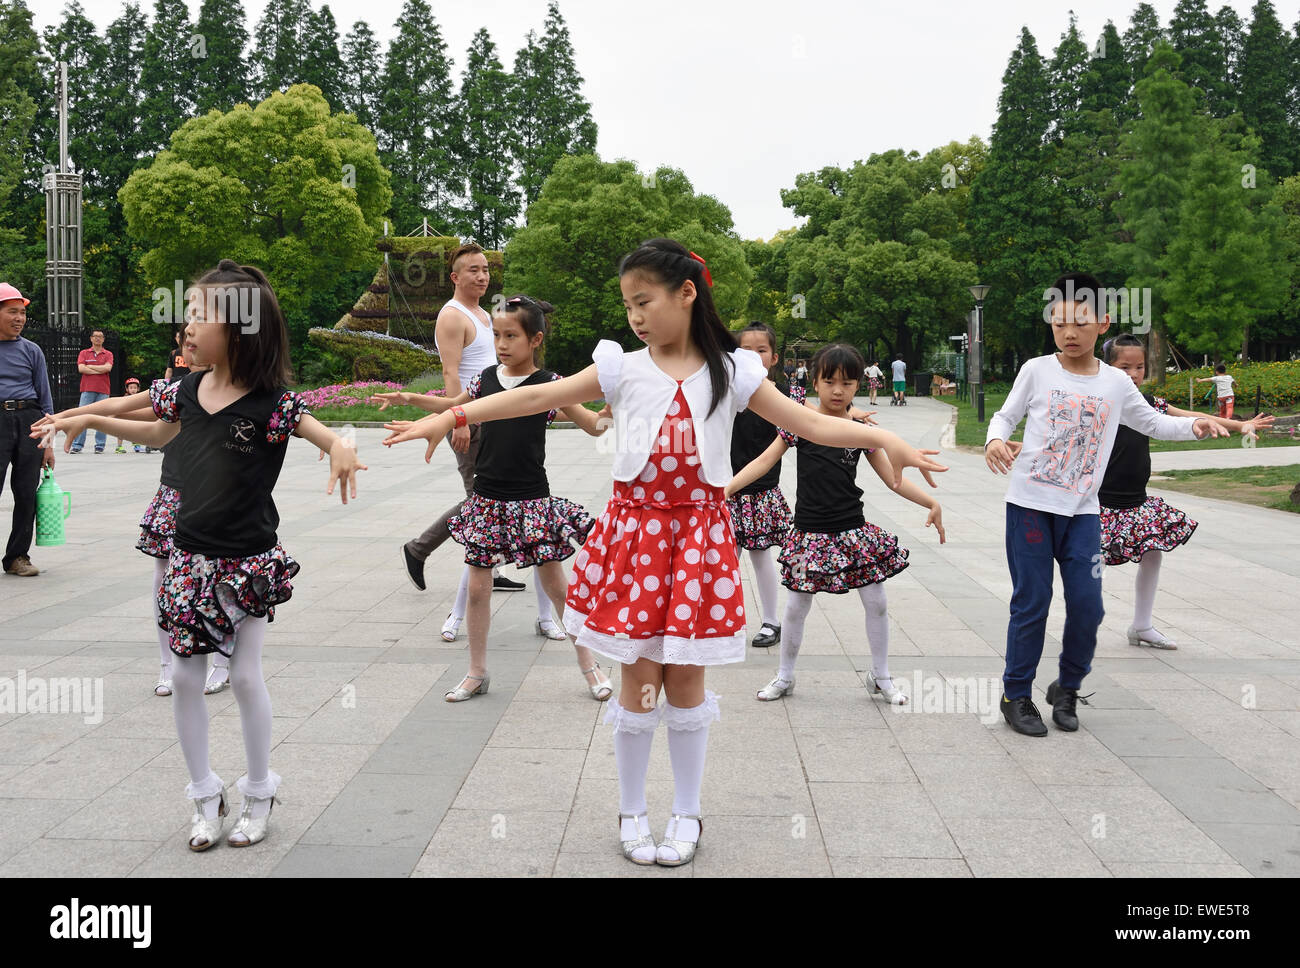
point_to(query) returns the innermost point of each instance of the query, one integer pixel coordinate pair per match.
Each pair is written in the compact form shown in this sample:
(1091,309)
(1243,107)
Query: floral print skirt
(761,520)
(521,533)
(158,525)
(203,600)
(819,562)
(1127,535)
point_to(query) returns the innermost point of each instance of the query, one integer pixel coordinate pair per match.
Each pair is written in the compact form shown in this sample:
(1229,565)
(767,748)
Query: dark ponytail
(1112,346)
(531,314)
(671,264)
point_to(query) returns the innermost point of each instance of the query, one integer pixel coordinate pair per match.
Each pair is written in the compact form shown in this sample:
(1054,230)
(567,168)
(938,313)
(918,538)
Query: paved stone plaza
(1187,762)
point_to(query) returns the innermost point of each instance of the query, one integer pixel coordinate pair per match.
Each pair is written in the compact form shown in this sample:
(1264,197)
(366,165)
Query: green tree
(1016,209)
(1066,73)
(1105,85)
(1194,34)
(363,75)
(26,125)
(589,214)
(1287,324)
(278,46)
(1231,33)
(321,63)
(1222,265)
(526,94)
(1152,181)
(262,185)
(483,109)
(167,72)
(1143,33)
(221,79)
(417,122)
(1264,95)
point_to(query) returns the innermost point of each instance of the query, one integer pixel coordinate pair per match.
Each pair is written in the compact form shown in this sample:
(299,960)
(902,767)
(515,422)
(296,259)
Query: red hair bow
(708,277)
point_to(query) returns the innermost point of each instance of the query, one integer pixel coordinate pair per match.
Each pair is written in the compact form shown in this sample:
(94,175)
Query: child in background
(875,380)
(1075,405)
(1223,384)
(1136,526)
(832,547)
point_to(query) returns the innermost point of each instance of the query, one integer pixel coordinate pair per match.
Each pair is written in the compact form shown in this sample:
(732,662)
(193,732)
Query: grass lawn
(1268,487)
(971,433)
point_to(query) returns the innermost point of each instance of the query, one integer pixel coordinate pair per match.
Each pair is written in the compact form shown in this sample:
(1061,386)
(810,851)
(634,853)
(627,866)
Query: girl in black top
(1136,526)
(512,517)
(759,513)
(227,570)
(832,548)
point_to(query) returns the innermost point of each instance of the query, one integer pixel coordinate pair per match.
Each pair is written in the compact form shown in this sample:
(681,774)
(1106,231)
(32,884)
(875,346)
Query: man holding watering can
(24,397)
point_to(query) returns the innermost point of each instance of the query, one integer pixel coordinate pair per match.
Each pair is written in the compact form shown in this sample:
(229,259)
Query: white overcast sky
(742,95)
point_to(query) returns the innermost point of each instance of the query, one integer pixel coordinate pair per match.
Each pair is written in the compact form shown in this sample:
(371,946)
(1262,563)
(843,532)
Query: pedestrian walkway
(1187,762)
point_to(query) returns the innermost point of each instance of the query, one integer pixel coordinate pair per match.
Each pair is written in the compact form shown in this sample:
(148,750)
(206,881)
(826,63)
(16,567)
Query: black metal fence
(61,348)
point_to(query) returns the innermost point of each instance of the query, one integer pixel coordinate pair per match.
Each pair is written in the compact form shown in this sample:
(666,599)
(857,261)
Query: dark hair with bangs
(258,355)
(531,314)
(1111,347)
(837,358)
(671,264)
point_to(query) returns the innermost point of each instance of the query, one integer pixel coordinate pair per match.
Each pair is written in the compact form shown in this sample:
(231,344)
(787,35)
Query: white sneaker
(1150,637)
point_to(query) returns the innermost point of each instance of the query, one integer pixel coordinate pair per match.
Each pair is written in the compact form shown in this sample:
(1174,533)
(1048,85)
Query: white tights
(765,577)
(1148,579)
(191,715)
(544,612)
(876,612)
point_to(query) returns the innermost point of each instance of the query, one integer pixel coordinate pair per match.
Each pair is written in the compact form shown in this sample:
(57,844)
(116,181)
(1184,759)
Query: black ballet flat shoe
(768,636)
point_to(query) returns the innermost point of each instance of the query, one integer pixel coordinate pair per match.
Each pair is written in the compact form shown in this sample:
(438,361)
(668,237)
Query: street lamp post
(979,292)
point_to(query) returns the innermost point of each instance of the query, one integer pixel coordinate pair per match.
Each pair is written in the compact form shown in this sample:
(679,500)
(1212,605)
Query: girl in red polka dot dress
(657,586)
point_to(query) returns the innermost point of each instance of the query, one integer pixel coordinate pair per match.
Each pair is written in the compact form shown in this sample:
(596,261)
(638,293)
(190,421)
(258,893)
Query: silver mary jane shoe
(1150,638)
(550,631)
(643,842)
(891,692)
(776,689)
(248,830)
(685,849)
(204,832)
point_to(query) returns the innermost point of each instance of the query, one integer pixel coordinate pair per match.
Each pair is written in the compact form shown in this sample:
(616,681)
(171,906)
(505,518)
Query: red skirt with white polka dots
(659,577)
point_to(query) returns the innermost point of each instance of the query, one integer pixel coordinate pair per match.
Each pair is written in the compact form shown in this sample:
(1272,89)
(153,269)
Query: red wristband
(459,414)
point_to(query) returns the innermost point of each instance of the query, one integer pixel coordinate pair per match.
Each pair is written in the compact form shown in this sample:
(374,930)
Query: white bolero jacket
(640,393)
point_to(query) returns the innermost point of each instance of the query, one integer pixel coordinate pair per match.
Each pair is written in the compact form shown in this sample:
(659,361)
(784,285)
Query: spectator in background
(24,396)
(801,375)
(875,379)
(1223,383)
(789,371)
(177,365)
(94,365)
(900,382)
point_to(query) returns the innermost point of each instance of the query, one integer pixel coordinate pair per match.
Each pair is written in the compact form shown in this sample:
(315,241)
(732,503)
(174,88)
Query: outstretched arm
(589,420)
(776,408)
(519,402)
(757,467)
(422,400)
(879,462)
(134,407)
(154,433)
(344,463)
(1256,424)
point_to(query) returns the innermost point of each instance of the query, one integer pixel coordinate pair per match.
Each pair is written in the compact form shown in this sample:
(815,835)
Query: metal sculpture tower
(63,230)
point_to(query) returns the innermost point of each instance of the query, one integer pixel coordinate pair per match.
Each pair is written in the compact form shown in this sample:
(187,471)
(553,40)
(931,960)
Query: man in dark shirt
(24,396)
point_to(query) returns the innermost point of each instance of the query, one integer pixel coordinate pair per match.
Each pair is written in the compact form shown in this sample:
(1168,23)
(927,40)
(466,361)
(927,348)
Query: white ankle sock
(877,623)
(1148,580)
(765,577)
(797,605)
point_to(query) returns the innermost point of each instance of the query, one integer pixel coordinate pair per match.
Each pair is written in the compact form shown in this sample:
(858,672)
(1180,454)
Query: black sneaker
(414,568)
(1063,710)
(1023,717)
(768,636)
(500,583)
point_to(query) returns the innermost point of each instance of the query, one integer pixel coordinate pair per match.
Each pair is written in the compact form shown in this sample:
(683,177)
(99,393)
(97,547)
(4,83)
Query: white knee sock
(634,734)
(462,596)
(164,637)
(688,740)
(797,605)
(1148,579)
(254,711)
(765,578)
(877,622)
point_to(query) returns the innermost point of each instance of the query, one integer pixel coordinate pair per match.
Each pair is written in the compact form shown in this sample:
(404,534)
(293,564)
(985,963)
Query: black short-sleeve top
(1125,483)
(750,436)
(828,499)
(511,463)
(232,460)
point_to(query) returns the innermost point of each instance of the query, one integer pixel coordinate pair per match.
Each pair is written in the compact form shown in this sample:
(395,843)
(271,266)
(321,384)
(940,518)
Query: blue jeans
(90,396)
(1035,540)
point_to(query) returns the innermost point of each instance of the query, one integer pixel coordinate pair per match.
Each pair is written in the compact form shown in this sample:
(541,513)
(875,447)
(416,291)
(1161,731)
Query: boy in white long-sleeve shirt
(1075,404)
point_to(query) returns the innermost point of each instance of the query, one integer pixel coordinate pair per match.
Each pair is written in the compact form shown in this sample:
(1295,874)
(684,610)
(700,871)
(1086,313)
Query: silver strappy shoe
(204,832)
(249,829)
(645,840)
(460,693)
(685,848)
(601,690)
(776,689)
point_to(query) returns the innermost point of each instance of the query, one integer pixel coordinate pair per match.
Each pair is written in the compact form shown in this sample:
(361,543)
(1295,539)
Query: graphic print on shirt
(242,430)
(1076,426)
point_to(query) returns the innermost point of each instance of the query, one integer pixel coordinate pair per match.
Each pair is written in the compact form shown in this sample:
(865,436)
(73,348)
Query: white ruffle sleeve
(750,372)
(608,357)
